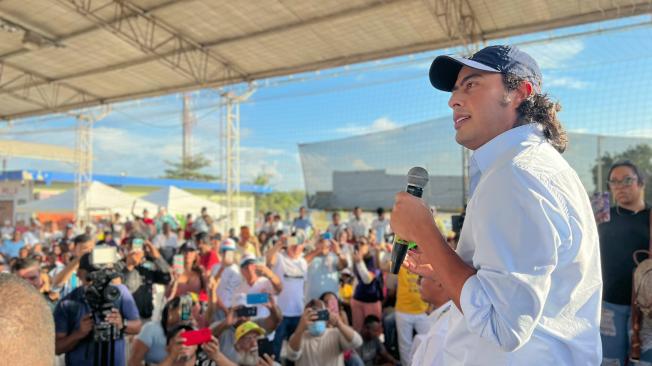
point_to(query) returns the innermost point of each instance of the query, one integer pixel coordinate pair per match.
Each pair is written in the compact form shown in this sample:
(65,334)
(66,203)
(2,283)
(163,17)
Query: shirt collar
(488,153)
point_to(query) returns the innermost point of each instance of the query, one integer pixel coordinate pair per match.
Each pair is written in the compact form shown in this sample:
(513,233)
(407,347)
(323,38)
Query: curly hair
(539,108)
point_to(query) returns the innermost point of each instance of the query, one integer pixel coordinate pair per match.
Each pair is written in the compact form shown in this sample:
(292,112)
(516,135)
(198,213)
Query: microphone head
(418,177)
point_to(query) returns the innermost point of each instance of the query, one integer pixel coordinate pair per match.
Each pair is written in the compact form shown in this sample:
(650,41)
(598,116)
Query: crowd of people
(305,295)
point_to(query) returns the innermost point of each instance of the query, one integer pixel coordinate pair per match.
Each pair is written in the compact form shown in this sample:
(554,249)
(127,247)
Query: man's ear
(524,91)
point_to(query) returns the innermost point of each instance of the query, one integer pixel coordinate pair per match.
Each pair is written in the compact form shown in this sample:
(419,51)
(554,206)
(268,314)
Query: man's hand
(271,304)
(264,270)
(308,317)
(153,251)
(335,247)
(176,347)
(115,318)
(85,326)
(266,360)
(411,218)
(415,262)
(230,316)
(212,349)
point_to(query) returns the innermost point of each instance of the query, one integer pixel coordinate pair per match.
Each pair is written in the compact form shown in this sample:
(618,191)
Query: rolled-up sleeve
(516,252)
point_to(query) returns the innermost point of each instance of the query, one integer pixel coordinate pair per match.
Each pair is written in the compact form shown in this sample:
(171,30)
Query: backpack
(641,297)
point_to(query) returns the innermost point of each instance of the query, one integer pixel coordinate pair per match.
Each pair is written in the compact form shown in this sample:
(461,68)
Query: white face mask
(248,358)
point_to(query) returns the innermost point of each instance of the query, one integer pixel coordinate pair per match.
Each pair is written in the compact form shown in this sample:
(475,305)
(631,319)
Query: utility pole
(188,121)
(230,150)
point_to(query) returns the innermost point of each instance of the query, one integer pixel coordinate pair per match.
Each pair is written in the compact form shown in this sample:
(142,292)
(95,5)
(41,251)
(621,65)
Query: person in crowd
(525,279)
(108,239)
(336,226)
(302,222)
(191,279)
(201,224)
(140,275)
(65,279)
(11,248)
(257,278)
(163,217)
(167,241)
(410,313)
(226,329)
(208,257)
(248,244)
(151,343)
(32,236)
(228,279)
(324,264)
(368,293)
(178,354)
(29,269)
(188,228)
(357,224)
(291,267)
(627,231)
(278,223)
(67,239)
(268,224)
(27,326)
(380,226)
(335,306)
(313,343)
(372,351)
(7,230)
(74,321)
(427,348)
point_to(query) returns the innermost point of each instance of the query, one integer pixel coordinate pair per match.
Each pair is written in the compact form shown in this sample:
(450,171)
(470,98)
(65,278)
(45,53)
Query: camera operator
(139,274)
(75,321)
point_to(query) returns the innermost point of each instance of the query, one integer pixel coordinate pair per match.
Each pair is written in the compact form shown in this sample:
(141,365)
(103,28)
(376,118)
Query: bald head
(26,324)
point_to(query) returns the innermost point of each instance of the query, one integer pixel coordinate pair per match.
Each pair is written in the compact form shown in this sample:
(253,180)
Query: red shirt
(208,260)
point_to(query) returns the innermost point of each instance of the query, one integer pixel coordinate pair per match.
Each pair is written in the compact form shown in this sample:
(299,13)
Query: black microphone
(417,178)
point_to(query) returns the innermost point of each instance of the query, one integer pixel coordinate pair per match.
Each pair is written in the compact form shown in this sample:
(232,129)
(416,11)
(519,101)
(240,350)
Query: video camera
(100,294)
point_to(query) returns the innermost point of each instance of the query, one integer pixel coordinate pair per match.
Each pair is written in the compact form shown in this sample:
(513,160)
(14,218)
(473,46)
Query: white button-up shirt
(530,233)
(427,349)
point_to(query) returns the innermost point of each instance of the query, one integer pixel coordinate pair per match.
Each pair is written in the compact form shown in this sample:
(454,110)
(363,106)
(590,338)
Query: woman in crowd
(368,294)
(248,244)
(192,278)
(150,344)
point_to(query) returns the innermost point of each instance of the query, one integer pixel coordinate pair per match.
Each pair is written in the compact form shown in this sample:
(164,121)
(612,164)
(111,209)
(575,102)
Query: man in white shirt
(526,279)
(357,224)
(336,226)
(257,278)
(227,275)
(427,348)
(291,267)
(380,226)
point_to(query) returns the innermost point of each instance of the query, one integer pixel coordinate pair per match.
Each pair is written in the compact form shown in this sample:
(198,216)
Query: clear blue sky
(602,80)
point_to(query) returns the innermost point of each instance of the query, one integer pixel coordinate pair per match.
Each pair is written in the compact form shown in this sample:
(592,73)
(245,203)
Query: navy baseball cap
(500,59)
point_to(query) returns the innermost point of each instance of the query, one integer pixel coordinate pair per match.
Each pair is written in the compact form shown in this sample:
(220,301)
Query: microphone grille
(417,176)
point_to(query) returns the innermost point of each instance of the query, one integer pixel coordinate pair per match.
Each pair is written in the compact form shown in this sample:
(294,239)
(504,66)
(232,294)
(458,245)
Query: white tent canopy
(179,202)
(100,198)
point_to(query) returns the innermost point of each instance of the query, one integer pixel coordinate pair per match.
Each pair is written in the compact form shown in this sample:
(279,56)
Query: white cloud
(566,82)
(552,55)
(380,124)
(361,165)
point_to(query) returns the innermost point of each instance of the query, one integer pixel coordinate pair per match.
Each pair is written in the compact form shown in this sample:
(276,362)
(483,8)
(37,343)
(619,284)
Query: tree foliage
(640,155)
(281,202)
(190,169)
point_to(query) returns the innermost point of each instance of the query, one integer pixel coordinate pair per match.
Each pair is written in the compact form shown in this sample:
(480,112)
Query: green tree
(281,202)
(190,169)
(262,179)
(640,155)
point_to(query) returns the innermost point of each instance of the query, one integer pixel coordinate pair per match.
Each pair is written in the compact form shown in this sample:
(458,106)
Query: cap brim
(444,70)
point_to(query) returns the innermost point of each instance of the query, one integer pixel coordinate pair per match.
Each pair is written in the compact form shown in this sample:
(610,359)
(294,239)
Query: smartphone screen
(137,244)
(601,207)
(185,308)
(194,337)
(265,347)
(258,298)
(177,263)
(246,311)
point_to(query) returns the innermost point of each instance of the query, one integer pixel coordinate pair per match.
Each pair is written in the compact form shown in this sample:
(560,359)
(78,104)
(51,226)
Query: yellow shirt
(346,292)
(408,298)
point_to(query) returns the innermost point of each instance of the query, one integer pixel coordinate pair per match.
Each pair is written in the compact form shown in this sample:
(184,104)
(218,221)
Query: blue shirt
(531,235)
(12,248)
(73,307)
(302,223)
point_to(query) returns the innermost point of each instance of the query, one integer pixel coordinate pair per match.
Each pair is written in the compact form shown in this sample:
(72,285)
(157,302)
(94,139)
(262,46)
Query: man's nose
(455,100)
